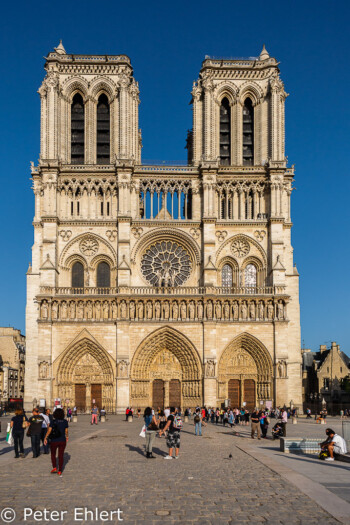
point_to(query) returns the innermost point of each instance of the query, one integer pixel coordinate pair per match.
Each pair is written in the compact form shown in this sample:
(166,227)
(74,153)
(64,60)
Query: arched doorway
(85,377)
(166,371)
(245,373)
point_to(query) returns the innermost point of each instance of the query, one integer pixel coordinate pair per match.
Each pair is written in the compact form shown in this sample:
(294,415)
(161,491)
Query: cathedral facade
(155,284)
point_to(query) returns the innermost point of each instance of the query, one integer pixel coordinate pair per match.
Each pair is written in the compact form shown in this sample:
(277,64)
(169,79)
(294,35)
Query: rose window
(166,263)
(240,248)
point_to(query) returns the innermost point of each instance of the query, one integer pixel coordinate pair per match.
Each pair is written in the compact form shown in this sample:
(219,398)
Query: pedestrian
(138,413)
(35,423)
(284,421)
(162,420)
(151,425)
(173,426)
(231,418)
(94,414)
(45,426)
(18,425)
(69,414)
(198,423)
(308,413)
(264,424)
(58,430)
(217,415)
(246,417)
(102,413)
(255,421)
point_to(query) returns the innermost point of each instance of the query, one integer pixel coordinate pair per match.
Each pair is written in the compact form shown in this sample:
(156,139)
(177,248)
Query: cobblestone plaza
(106,469)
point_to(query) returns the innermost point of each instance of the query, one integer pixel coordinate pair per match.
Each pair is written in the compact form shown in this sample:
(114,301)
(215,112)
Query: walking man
(255,420)
(284,421)
(35,426)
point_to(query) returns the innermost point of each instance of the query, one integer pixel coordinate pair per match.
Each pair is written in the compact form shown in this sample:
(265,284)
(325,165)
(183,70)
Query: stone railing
(156,290)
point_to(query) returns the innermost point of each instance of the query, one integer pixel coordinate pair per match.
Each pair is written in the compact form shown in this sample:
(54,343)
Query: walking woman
(58,430)
(18,424)
(151,431)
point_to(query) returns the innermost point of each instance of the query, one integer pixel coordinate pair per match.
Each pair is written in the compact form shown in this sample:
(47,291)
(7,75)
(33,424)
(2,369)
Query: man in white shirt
(45,425)
(335,444)
(167,412)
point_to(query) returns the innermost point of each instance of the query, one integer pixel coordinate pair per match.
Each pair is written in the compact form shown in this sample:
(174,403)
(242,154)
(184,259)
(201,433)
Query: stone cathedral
(162,284)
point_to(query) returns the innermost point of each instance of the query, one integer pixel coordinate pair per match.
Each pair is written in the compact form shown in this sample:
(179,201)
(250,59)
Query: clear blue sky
(166,42)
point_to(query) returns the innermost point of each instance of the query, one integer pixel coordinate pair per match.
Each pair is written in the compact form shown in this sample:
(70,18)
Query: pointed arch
(170,339)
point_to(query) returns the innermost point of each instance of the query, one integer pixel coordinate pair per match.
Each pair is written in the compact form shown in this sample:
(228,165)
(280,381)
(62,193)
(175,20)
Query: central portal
(166,371)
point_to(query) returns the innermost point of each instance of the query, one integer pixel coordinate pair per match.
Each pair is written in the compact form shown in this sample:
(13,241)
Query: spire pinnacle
(60,49)
(264,55)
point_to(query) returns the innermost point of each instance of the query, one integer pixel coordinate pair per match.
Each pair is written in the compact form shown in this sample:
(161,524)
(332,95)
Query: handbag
(29,432)
(9,437)
(143,432)
(152,426)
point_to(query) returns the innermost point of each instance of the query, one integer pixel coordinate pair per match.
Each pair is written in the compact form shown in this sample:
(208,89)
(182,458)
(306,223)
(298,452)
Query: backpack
(177,423)
(55,432)
(197,418)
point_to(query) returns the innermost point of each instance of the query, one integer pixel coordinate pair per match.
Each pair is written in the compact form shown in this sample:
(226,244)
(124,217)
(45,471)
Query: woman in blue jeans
(198,422)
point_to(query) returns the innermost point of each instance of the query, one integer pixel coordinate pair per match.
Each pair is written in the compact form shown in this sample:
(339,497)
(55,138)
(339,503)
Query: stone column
(166,393)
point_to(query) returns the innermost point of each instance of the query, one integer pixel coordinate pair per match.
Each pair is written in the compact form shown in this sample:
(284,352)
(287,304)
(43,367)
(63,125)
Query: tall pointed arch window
(78,275)
(103,275)
(225,132)
(226,276)
(250,276)
(77,130)
(248,133)
(103,130)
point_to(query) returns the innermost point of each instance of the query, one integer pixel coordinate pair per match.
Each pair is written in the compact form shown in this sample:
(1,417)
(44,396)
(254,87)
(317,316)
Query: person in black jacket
(18,431)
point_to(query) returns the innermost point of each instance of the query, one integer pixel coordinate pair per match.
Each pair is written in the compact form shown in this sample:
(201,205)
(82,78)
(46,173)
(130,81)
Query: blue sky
(167,43)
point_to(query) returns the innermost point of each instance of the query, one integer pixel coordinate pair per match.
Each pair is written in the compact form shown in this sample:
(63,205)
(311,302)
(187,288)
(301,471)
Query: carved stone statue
(88,310)
(64,310)
(280,311)
(226,311)
(123,310)
(252,310)
(261,311)
(218,310)
(140,310)
(183,310)
(105,310)
(44,310)
(210,368)
(54,310)
(191,310)
(157,310)
(132,310)
(235,311)
(43,370)
(200,310)
(80,310)
(244,310)
(270,311)
(97,310)
(175,311)
(166,311)
(72,310)
(282,369)
(209,310)
(123,369)
(149,310)
(114,310)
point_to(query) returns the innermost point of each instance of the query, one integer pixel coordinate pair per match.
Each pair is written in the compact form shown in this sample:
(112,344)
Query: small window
(226,275)
(103,275)
(341,369)
(248,133)
(77,130)
(101,208)
(78,275)
(78,208)
(72,208)
(107,208)
(103,130)
(225,133)
(250,276)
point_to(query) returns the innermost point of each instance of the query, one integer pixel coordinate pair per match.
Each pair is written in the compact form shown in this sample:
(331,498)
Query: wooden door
(80,397)
(96,394)
(158,394)
(234,392)
(175,393)
(249,393)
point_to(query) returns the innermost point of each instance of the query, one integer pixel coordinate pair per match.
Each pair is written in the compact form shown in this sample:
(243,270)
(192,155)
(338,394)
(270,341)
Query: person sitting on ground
(334,444)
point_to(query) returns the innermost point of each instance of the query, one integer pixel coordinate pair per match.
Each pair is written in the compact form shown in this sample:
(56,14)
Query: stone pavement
(106,469)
